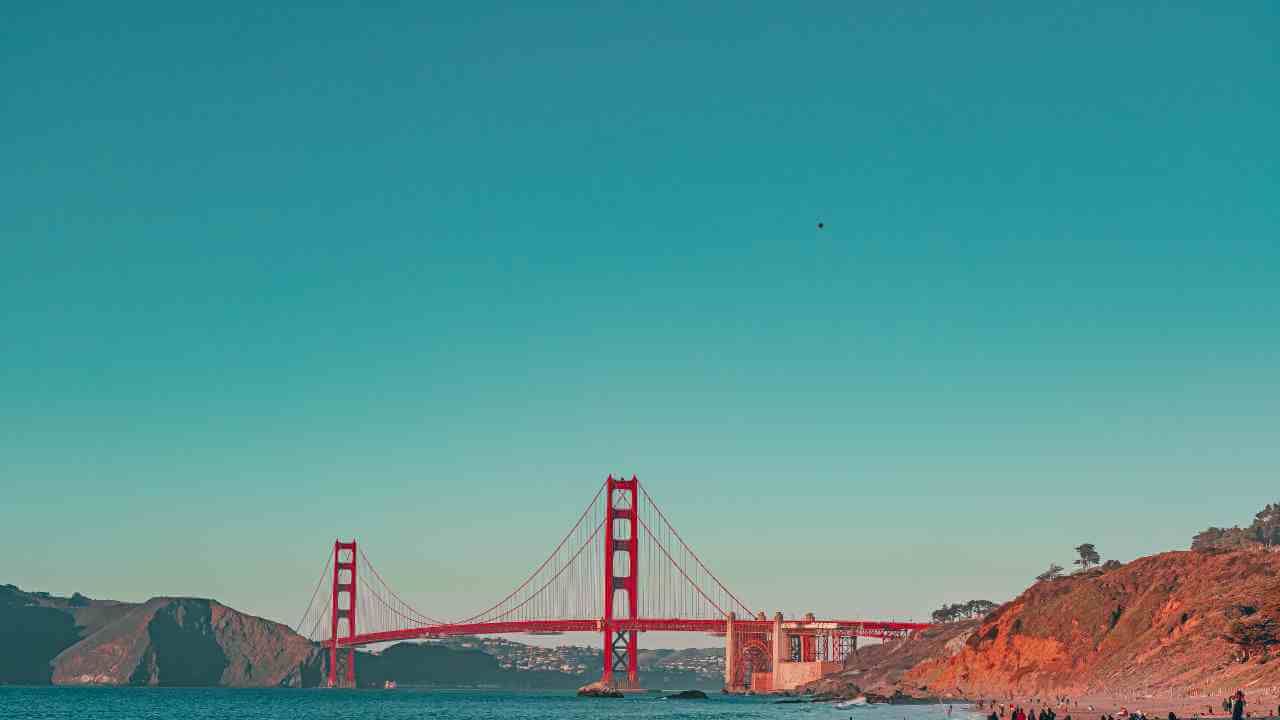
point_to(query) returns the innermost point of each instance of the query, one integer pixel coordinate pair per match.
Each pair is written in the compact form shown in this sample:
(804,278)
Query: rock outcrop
(877,670)
(598,689)
(687,695)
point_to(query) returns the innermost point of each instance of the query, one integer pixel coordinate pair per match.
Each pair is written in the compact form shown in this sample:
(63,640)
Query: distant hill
(164,641)
(189,641)
(36,627)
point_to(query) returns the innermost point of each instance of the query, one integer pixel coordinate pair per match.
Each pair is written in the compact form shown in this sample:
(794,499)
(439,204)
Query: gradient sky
(425,276)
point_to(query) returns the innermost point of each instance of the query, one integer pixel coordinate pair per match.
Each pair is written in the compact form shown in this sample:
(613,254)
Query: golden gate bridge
(591,582)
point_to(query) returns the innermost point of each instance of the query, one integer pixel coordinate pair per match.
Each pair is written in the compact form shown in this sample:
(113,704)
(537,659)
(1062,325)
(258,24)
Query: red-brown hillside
(1169,625)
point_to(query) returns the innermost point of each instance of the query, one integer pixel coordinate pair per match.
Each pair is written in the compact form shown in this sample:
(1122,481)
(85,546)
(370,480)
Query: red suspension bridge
(592,582)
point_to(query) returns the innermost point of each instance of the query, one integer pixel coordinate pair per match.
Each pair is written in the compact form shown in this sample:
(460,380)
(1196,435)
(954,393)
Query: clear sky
(425,276)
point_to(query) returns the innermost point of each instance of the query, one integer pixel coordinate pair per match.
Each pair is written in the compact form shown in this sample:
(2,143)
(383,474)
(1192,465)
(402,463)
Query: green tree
(962,611)
(947,613)
(1266,525)
(1216,538)
(979,608)
(1054,571)
(1088,556)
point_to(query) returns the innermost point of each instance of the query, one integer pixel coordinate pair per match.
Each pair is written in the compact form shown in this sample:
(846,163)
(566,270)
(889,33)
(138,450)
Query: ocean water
(67,703)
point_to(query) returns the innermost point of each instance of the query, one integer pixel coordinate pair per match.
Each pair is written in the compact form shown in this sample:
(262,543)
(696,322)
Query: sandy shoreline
(1158,708)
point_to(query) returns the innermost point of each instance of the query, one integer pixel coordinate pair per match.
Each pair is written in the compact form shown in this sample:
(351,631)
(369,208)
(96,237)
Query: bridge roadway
(868,628)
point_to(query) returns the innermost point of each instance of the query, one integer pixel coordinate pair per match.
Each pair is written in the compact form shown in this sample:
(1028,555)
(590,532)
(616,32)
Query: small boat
(389,685)
(859,701)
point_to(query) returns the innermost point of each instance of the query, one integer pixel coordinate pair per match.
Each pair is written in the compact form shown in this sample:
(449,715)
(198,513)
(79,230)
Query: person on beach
(1237,708)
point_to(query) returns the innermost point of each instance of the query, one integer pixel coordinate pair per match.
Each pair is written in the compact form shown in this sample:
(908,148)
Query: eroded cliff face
(189,642)
(878,670)
(1170,621)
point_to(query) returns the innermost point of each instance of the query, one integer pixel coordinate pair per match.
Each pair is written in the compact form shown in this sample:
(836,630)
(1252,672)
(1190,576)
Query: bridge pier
(730,654)
(779,643)
(777,655)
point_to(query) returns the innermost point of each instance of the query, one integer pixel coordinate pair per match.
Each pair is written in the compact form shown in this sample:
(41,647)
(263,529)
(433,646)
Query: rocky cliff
(1176,622)
(1173,625)
(878,670)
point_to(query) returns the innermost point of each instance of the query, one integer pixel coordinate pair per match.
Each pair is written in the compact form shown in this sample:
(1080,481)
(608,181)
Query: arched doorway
(752,658)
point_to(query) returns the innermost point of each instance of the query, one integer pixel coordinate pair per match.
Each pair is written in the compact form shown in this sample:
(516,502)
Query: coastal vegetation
(1263,531)
(962,611)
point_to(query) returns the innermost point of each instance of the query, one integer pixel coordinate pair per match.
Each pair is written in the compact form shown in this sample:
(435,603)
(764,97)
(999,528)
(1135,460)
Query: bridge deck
(864,628)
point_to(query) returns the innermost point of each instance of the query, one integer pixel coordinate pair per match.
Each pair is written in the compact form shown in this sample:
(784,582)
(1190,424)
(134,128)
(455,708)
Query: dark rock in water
(790,701)
(900,698)
(598,689)
(688,695)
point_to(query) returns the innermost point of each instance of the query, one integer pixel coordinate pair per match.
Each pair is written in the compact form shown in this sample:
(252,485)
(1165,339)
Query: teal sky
(425,276)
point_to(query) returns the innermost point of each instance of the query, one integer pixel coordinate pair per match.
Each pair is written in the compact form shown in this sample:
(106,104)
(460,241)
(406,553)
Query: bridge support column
(730,655)
(780,645)
(344,587)
(621,548)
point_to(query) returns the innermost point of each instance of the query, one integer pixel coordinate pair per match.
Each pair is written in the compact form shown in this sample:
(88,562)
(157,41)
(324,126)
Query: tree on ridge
(1088,556)
(962,611)
(1054,571)
(1266,525)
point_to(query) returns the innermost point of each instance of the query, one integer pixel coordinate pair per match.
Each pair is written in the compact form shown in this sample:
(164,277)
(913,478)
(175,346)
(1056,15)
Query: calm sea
(63,703)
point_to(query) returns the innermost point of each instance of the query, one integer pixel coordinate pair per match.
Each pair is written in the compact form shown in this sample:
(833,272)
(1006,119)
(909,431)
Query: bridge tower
(344,586)
(621,573)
